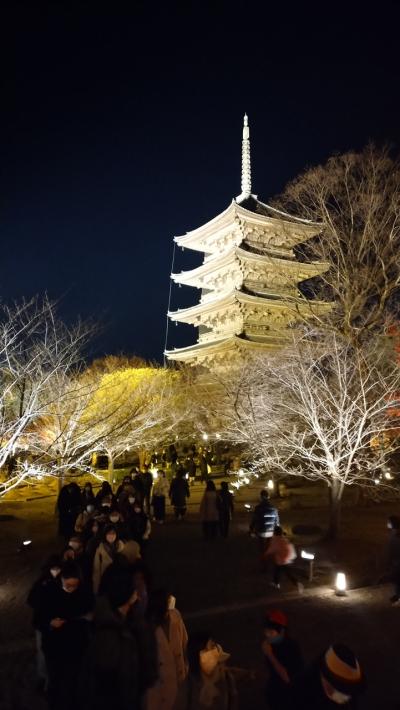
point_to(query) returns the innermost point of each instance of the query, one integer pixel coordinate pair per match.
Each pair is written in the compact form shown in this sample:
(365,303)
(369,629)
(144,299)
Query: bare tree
(314,410)
(36,350)
(355,198)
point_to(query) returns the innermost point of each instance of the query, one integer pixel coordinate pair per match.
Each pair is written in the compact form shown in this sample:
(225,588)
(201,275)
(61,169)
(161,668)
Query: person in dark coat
(38,597)
(68,506)
(87,496)
(147,480)
(104,494)
(65,635)
(334,679)
(264,521)
(179,493)
(138,487)
(284,661)
(225,508)
(139,526)
(111,670)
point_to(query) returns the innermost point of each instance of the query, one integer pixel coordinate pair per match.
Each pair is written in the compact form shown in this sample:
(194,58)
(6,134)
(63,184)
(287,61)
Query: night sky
(121,127)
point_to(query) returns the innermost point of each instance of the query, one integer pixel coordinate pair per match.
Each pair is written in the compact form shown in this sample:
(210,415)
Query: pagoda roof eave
(228,257)
(191,238)
(218,346)
(186,315)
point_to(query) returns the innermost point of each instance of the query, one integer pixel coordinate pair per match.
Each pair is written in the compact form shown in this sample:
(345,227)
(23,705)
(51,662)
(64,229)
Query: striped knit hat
(340,668)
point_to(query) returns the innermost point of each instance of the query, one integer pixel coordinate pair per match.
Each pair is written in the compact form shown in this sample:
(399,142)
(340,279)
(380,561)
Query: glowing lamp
(388,476)
(377,481)
(26,543)
(341,584)
(247,506)
(307,555)
(270,485)
(205,437)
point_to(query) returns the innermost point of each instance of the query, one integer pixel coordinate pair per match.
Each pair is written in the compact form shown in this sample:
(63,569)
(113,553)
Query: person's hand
(267,649)
(57,623)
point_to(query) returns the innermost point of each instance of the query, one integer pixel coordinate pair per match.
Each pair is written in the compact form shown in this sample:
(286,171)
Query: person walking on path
(171,638)
(334,679)
(111,672)
(105,554)
(209,511)
(160,492)
(282,552)
(284,661)
(264,521)
(225,508)
(210,685)
(68,506)
(393,555)
(147,480)
(179,493)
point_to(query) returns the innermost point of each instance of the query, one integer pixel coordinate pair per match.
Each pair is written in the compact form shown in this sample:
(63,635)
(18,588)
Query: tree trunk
(142,458)
(335,505)
(110,470)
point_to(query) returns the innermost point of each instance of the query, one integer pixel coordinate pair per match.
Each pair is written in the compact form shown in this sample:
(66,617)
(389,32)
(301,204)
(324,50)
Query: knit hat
(276,618)
(340,668)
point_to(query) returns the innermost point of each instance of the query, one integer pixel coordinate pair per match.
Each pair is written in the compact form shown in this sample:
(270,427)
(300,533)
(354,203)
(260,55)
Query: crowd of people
(108,637)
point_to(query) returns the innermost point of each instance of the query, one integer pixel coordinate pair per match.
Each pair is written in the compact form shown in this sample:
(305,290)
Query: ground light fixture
(341,585)
(310,557)
(247,506)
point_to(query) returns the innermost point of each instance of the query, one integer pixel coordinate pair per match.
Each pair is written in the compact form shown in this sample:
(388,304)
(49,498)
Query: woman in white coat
(171,638)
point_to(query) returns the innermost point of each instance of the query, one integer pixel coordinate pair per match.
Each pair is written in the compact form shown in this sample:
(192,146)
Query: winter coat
(73,607)
(215,692)
(102,560)
(265,519)
(38,599)
(177,637)
(225,504)
(139,526)
(281,550)
(161,487)
(110,676)
(178,492)
(209,508)
(162,695)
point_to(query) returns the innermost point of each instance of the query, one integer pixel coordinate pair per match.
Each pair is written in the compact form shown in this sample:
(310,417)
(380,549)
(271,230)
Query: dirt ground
(219,587)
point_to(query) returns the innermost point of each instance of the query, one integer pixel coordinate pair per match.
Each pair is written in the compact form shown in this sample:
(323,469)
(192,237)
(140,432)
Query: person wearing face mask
(115,518)
(283,659)
(84,516)
(335,679)
(38,599)
(209,684)
(65,633)
(105,554)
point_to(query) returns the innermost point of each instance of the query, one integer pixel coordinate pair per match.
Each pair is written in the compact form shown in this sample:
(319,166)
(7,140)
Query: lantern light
(270,485)
(341,584)
(307,555)
(247,506)
(26,543)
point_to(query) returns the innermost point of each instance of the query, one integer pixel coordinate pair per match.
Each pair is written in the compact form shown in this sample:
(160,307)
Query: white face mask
(131,499)
(209,660)
(74,545)
(55,571)
(90,508)
(114,518)
(339,698)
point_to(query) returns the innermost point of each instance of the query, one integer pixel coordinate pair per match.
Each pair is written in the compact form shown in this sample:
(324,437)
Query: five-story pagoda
(249,278)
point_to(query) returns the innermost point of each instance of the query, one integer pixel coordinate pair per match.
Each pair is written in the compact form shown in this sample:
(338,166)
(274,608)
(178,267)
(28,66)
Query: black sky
(121,127)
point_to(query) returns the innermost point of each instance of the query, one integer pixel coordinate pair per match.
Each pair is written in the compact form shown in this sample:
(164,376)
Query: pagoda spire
(246,163)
